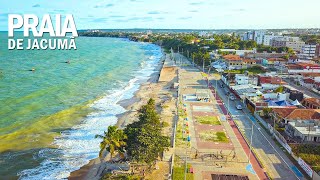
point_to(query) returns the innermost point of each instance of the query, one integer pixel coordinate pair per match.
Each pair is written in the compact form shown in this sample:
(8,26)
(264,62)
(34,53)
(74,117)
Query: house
(303,68)
(278,114)
(274,62)
(270,82)
(311,103)
(294,94)
(307,82)
(233,61)
(241,79)
(304,131)
(285,115)
(249,62)
(265,55)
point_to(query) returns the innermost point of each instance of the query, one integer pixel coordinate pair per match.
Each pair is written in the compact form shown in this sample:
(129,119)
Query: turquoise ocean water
(48,118)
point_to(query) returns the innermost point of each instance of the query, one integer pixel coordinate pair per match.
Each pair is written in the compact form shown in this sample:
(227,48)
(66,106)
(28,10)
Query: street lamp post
(202,64)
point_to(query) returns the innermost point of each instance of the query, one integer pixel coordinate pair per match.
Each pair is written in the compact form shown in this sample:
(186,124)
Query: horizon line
(186,29)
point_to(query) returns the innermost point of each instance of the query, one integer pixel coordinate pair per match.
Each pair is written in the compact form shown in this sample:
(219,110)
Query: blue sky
(174,14)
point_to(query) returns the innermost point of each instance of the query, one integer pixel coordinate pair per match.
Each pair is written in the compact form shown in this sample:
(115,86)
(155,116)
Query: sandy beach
(164,95)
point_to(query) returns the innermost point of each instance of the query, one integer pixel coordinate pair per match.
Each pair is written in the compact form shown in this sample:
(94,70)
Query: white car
(232,98)
(239,107)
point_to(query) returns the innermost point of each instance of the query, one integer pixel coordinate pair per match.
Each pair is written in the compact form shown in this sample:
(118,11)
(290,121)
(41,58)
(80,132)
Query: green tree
(113,141)
(145,142)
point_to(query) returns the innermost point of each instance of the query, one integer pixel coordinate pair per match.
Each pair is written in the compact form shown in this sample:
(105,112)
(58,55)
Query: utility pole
(202,64)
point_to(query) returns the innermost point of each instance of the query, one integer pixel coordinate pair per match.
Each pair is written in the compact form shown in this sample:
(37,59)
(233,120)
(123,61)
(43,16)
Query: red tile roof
(232,57)
(313,101)
(310,74)
(277,59)
(308,81)
(303,114)
(297,114)
(283,112)
(270,80)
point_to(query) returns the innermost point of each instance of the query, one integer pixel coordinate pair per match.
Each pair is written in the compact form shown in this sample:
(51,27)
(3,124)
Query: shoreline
(134,103)
(95,167)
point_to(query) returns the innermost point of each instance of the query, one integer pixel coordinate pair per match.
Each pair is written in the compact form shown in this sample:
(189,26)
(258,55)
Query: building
(259,36)
(304,131)
(274,62)
(311,103)
(303,68)
(247,36)
(233,61)
(308,52)
(265,55)
(241,79)
(307,82)
(291,42)
(267,39)
(249,62)
(318,50)
(237,52)
(270,82)
(294,94)
(291,114)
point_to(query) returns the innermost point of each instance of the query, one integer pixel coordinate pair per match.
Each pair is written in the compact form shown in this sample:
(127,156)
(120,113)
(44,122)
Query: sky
(173,14)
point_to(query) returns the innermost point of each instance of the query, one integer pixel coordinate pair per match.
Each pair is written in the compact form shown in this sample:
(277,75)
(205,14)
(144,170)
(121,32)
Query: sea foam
(77,146)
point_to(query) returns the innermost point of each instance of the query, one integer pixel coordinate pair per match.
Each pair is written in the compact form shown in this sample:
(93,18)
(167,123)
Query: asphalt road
(302,89)
(276,163)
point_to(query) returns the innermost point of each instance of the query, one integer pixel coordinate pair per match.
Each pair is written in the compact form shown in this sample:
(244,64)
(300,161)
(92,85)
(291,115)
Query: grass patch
(309,153)
(165,124)
(204,74)
(165,106)
(214,136)
(213,120)
(179,171)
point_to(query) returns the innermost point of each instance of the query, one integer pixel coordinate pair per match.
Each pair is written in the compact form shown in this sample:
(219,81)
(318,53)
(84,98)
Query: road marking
(249,168)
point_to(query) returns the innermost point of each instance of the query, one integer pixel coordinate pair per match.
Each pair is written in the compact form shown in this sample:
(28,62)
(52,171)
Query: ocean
(49,117)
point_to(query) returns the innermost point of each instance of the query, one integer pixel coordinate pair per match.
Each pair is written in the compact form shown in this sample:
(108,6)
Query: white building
(241,79)
(259,36)
(237,52)
(308,130)
(308,52)
(291,42)
(267,39)
(247,36)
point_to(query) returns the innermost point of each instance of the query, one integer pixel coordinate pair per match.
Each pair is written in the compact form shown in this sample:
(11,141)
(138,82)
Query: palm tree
(113,141)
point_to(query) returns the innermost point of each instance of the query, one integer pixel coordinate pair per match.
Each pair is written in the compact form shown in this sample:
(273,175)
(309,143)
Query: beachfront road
(274,159)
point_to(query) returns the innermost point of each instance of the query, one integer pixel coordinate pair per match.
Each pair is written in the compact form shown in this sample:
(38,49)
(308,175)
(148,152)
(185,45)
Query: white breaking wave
(77,146)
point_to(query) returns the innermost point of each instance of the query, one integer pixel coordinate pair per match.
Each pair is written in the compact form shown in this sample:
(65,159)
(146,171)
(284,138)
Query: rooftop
(303,114)
(308,81)
(307,127)
(283,112)
(232,57)
(277,59)
(314,101)
(291,113)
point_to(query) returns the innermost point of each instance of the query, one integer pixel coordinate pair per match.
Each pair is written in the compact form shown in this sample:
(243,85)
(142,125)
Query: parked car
(239,107)
(232,98)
